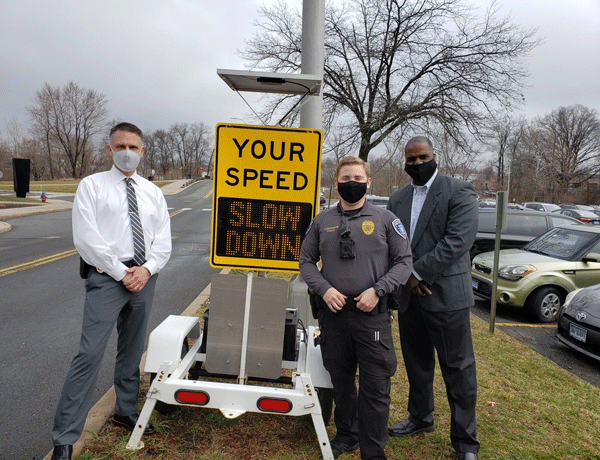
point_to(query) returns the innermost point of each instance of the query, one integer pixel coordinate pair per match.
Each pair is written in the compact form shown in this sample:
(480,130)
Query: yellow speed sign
(266,192)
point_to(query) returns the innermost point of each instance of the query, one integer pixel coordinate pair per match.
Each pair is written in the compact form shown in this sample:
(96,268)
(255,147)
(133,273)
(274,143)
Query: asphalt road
(41,312)
(540,337)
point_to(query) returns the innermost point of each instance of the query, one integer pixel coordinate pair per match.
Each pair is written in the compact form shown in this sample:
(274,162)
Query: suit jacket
(444,233)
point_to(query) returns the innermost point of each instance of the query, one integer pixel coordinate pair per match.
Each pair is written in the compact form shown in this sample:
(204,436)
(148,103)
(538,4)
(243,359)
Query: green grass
(528,408)
(58,186)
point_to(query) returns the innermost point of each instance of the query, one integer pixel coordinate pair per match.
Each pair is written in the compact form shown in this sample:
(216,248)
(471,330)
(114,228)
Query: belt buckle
(99,270)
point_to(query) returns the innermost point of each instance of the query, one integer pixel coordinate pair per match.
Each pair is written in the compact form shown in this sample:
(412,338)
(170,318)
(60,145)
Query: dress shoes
(62,452)
(129,421)
(339,447)
(408,428)
(467,456)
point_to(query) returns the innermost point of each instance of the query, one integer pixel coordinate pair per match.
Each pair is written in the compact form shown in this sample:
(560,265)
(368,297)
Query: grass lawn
(58,186)
(528,408)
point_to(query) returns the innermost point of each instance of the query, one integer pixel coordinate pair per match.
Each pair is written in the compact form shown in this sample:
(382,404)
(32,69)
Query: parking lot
(539,337)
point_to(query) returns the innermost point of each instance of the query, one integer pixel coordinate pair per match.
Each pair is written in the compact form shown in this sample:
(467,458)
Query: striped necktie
(139,248)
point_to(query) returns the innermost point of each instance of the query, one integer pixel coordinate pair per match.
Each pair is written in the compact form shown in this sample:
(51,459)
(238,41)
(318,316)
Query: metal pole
(313,52)
(311,116)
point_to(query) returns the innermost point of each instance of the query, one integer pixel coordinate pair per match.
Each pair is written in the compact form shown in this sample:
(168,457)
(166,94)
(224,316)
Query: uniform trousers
(352,339)
(106,302)
(449,332)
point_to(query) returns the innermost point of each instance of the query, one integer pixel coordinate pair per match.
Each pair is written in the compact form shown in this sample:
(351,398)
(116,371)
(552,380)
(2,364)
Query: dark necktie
(139,248)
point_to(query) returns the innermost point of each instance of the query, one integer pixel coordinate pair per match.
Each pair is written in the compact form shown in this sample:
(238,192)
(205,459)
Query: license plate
(475,284)
(577,332)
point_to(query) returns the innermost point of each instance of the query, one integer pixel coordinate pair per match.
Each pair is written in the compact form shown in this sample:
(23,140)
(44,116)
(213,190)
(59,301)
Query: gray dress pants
(107,302)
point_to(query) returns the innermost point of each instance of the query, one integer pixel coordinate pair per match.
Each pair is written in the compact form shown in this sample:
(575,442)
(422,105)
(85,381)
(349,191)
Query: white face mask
(126,160)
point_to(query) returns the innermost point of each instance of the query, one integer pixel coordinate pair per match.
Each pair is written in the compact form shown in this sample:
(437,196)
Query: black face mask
(421,173)
(352,191)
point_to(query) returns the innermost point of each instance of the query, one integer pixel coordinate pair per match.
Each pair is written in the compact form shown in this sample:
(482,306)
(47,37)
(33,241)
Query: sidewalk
(56,204)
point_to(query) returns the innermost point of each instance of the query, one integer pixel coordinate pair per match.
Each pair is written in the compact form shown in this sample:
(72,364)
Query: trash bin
(21,171)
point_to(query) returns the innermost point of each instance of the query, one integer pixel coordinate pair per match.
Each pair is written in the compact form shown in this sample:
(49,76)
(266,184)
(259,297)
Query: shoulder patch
(400,230)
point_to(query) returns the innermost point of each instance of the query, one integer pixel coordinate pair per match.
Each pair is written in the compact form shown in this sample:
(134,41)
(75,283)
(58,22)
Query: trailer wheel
(163,407)
(326,401)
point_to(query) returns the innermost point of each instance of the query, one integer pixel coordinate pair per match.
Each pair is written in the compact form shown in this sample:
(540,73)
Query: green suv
(543,272)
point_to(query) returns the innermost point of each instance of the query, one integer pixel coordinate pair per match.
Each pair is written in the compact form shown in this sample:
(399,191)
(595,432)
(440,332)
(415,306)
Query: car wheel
(545,304)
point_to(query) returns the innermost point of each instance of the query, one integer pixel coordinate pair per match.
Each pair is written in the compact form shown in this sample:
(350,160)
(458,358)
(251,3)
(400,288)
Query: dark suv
(522,226)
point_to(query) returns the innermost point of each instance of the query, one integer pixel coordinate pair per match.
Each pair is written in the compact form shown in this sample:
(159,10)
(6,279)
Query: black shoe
(129,421)
(408,428)
(467,456)
(339,447)
(62,452)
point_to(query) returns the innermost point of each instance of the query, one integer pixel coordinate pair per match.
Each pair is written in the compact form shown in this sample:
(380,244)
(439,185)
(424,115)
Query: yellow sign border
(312,198)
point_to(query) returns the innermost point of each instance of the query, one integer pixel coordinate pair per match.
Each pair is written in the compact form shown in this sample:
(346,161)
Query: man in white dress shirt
(122,230)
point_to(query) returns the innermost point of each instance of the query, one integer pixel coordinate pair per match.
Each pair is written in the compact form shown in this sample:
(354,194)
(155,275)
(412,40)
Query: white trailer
(245,341)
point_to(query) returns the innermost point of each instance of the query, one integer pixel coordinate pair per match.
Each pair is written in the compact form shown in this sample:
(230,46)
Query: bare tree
(502,137)
(165,159)
(455,159)
(392,63)
(571,144)
(66,120)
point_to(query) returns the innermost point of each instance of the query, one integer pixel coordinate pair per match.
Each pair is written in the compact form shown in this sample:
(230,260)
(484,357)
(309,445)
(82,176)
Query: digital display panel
(261,229)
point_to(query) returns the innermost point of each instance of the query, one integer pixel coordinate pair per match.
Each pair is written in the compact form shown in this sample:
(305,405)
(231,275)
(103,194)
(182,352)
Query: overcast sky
(156,60)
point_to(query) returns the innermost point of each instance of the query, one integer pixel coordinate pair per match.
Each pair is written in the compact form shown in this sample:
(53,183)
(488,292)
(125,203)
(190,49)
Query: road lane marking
(54,257)
(173,214)
(37,262)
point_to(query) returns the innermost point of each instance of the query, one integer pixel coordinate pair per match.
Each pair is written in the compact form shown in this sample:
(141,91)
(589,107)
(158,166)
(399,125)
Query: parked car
(378,200)
(583,207)
(486,204)
(521,228)
(587,217)
(538,206)
(541,274)
(579,321)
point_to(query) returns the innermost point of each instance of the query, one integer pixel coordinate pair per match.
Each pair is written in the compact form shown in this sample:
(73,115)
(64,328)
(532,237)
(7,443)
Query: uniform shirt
(382,252)
(102,228)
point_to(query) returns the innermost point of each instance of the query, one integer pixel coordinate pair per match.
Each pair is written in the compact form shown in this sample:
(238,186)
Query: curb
(101,411)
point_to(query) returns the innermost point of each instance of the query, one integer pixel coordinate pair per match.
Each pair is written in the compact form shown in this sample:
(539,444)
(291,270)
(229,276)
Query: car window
(559,220)
(526,225)
(562,243)
(588,214)
(595,248)
(552,207)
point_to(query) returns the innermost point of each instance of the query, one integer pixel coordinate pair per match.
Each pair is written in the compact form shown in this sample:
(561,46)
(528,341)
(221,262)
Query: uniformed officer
(365,257)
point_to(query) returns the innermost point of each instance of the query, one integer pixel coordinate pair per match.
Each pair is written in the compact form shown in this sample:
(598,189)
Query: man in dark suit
(441,215)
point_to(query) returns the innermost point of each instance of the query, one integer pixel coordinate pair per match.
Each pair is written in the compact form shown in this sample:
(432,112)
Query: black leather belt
(85,268)
(130,263)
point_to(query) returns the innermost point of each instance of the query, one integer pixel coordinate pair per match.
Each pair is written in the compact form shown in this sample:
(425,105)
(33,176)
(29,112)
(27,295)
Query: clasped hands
(136,278)
(365,301)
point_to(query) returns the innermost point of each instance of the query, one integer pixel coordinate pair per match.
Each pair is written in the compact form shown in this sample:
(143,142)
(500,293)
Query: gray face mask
(126,160)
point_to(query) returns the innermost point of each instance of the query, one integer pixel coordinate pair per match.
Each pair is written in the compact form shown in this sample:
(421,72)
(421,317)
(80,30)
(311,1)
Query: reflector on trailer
(199,398)
(283,406)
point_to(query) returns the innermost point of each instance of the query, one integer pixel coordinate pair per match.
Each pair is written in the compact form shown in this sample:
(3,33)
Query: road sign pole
(500,224)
